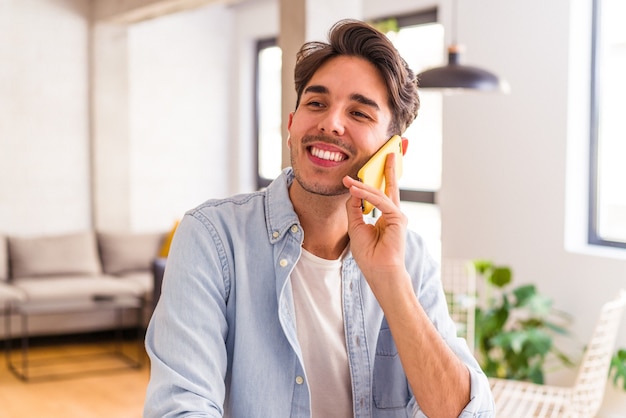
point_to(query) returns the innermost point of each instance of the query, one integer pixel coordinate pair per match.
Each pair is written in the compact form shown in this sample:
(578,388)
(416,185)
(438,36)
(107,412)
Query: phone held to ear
(373,171)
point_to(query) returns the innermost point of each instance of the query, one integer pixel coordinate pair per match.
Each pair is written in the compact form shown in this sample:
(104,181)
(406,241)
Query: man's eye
(315,104)
(360,115)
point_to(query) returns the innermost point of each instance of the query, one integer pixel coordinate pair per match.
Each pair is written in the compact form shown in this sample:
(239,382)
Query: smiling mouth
(327,155)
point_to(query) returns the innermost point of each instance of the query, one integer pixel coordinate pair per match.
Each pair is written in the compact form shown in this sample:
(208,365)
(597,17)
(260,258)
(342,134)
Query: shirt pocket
(390,386)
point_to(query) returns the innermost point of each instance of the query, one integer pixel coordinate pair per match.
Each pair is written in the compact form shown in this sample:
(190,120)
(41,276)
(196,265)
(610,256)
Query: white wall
(180,69)
(44,116)
(162,146)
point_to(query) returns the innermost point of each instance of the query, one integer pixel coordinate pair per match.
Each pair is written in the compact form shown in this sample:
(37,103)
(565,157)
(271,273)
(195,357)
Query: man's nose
(332,122)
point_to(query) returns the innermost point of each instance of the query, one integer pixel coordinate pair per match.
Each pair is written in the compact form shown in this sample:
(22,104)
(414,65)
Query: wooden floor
(93,394)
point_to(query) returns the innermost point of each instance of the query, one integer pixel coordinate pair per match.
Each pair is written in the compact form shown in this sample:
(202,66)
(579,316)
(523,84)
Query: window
(607,214)
(268,112)
(420,40)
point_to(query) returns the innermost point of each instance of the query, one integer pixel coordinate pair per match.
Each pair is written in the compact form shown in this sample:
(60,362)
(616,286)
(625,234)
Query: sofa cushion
(76,287)
(142,279)
(10,293)
(49,256)
(127,252)
(4,259)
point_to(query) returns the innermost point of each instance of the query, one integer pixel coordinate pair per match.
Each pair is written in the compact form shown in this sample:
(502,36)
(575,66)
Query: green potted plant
(618,369)
(515,327)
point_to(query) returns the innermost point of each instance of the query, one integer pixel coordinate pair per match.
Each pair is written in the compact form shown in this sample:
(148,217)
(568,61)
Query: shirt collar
(281,215)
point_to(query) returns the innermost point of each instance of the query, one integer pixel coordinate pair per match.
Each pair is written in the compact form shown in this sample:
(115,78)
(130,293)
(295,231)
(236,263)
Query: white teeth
(327,155)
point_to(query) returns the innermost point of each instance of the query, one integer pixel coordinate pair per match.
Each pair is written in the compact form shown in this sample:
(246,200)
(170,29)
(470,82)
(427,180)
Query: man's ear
(405,145)
(288,128)
(290,120)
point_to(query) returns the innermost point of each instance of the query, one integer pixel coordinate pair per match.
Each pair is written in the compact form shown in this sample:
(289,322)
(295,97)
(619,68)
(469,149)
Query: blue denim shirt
(222,340)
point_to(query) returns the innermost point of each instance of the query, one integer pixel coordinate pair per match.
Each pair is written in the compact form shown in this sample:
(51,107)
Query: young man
(287,302)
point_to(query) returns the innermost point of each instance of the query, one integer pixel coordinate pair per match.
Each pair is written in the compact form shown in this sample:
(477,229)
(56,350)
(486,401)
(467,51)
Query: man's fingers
(392,189)
(361,191)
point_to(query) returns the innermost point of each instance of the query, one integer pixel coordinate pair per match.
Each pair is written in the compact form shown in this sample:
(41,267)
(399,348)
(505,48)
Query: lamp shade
(454,75)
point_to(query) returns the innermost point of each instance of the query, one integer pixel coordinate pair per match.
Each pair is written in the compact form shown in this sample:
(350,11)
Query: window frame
(261,44)
(593,235)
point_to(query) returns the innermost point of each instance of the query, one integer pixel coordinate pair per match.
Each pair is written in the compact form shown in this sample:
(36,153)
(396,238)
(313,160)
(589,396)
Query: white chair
(515,399)
(458,278)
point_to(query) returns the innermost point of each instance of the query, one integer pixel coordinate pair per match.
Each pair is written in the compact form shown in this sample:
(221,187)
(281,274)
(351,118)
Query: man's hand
(378,249)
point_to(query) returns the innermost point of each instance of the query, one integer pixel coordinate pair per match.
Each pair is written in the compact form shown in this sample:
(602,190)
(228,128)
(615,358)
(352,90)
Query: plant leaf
(482,266)
(500,276)
(618,368)
(524,293)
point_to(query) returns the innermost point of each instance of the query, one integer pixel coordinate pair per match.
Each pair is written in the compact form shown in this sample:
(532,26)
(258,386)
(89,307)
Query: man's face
(342,119)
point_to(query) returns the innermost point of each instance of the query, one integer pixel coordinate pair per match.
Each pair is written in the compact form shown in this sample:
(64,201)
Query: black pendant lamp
(455,76)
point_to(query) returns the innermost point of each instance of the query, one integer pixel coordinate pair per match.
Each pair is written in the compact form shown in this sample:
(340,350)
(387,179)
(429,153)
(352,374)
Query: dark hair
(356,38)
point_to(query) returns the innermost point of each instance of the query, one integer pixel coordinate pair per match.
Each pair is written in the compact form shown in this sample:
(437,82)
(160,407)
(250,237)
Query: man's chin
(327,192)
(323,190)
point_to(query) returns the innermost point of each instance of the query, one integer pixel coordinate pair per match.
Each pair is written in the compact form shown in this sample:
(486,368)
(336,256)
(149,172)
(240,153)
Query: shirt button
(294,228)
(283,262)
(275,234)
(299,380)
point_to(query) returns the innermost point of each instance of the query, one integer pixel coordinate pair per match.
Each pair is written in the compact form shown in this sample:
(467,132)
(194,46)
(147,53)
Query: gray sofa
(74,266)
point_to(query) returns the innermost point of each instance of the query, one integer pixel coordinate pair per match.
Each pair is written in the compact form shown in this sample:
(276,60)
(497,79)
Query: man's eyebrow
(315,88)
(364,100)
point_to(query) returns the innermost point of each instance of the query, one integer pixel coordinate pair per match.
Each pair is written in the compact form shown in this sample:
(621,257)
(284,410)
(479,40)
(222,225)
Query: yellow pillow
(167,242)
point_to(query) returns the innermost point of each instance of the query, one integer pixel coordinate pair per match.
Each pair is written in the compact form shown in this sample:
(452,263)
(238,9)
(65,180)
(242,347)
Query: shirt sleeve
(185,339)
(481,403)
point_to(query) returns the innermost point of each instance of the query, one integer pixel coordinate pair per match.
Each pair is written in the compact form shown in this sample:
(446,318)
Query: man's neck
(324,220)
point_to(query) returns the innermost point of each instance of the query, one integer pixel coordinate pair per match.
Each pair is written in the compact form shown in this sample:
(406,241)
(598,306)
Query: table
(26,309)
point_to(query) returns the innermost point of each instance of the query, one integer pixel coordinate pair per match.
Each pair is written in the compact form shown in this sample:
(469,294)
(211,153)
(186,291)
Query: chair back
(588,391)
(458,278)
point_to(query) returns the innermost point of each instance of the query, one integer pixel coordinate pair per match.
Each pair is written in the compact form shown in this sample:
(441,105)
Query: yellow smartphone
(373,171)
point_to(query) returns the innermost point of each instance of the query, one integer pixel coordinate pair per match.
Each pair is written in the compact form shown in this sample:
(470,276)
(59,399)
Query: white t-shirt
(316,284)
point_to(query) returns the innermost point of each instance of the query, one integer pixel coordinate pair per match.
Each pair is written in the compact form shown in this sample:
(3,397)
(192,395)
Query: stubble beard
(316,188)
(312,186)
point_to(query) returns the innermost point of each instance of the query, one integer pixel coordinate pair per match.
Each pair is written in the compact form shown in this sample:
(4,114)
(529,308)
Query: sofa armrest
(158,269)
(9,293)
